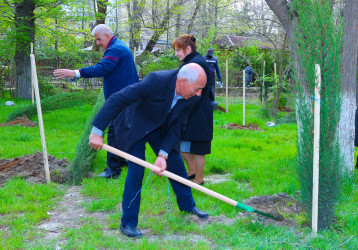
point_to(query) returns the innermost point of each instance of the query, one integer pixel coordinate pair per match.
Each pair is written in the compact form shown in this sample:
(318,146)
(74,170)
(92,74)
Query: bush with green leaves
(165,61)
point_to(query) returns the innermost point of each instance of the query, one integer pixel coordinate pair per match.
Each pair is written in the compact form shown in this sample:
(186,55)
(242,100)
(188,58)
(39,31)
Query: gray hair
(188,72)
(102,29)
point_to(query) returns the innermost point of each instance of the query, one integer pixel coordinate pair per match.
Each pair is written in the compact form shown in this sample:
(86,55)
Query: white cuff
(96,131)
(78,75)
(162,152)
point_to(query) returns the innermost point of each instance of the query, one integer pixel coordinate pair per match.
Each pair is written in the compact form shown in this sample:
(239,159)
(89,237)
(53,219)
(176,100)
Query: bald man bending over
(152,111)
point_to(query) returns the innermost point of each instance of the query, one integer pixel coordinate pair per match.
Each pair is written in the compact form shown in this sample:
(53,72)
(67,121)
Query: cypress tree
(84,153)
(319,41)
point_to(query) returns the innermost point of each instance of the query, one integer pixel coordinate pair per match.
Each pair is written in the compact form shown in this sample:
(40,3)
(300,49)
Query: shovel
(188,183)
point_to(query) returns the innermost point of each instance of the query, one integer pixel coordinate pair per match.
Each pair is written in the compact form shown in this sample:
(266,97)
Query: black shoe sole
(129,235)
(201,217)
(191,177)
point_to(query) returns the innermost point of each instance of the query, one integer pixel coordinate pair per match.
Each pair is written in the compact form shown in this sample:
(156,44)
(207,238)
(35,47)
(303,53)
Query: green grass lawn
(258,163)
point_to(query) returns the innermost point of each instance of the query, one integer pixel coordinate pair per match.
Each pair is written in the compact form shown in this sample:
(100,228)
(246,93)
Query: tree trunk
(288,20)
(158,31)
(134,15)
(100,17)
(25,26)
(348,84)
(348,71)
(178,20)
(193,17)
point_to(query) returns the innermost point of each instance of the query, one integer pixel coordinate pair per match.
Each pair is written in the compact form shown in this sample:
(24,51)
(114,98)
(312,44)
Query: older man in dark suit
(152,111)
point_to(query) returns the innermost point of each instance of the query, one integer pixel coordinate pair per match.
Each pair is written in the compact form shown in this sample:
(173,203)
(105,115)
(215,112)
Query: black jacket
(144,107)
(199,126)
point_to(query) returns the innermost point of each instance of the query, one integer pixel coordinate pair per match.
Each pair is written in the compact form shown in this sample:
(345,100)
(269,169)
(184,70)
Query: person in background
(198,132)
(248,76)
(152,111)
(118,71)
(213,66)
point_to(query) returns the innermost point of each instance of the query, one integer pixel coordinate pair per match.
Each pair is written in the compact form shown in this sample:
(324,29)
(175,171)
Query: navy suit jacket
(143,107)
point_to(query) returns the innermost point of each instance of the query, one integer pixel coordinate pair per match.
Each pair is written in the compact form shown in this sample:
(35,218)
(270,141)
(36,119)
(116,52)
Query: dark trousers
(211,83)
(114,162)
(135,176)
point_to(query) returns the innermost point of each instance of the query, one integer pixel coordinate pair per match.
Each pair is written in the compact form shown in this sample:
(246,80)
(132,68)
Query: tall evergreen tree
(319,41)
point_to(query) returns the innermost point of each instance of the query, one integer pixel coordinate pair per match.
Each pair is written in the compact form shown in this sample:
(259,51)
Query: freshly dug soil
(249,126)
(221,109)
(22,121)
(280,205)
(31,168)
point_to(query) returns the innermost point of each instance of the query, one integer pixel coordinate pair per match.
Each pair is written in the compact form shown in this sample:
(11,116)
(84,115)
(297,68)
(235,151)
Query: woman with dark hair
(198,132)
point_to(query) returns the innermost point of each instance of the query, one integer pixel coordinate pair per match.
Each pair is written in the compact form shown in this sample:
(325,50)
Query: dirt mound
(221,109)
(31,168)
(22,121)
(278,206)
(250,126)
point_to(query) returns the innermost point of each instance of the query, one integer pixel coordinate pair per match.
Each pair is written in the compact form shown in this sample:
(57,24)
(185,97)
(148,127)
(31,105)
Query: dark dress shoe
(191,177)
(201,183)
(214,105)
(131,231)
(109,173)
(199,213)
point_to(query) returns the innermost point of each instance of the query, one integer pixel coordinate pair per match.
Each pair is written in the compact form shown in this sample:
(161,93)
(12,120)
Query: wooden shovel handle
(169,174)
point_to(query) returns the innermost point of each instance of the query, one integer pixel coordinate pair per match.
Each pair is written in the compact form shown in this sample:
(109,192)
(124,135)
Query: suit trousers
(135,176)
(114,162)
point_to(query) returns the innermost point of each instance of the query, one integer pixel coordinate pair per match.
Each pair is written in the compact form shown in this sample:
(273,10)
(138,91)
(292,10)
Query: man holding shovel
(152,111)
(118,71)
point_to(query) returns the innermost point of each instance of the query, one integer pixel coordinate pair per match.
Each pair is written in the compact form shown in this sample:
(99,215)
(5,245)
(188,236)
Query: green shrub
(166,61)
(60,101)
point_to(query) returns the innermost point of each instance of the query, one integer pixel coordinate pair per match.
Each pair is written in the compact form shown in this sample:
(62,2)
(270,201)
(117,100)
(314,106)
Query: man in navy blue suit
(152,111)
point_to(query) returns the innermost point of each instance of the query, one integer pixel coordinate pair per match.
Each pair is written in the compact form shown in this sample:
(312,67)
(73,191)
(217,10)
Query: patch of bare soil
(235,126)
(31,168)
(285,109)
(280,205)
(221,109)
(217,178)
(70,214)
(22,121)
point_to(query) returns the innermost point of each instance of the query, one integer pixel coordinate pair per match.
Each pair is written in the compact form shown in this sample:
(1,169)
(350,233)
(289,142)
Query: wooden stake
(317,111)
(227,87)
(39,113)
(134,53)
(263,82)
(243,97)
(32,78)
